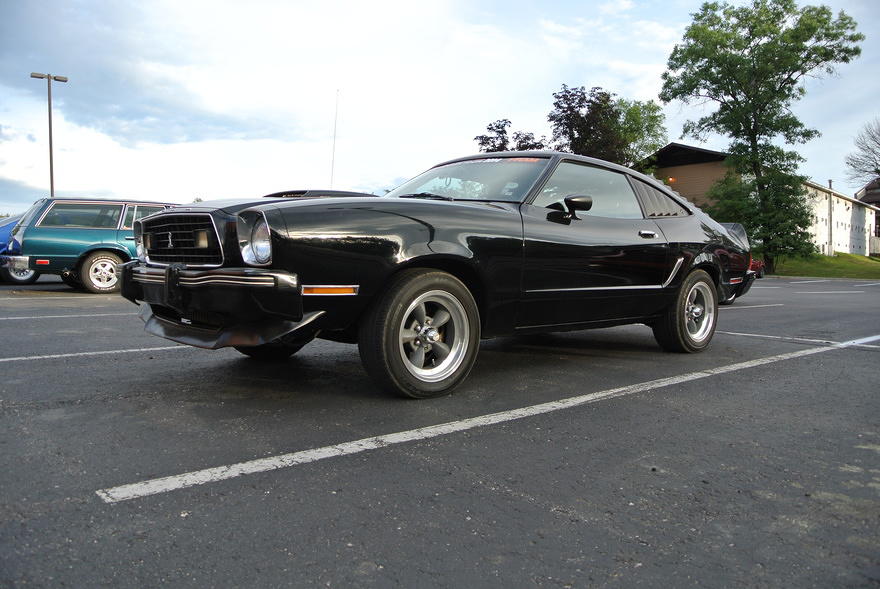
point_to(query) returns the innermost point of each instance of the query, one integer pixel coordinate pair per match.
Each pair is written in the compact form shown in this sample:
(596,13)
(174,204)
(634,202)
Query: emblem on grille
(170,243)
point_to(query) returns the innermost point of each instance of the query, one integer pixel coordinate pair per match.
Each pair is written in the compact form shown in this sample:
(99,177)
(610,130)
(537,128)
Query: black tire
(271,352)
(679,330)
(71,280)
(19,277)
(98,272)
(414,359)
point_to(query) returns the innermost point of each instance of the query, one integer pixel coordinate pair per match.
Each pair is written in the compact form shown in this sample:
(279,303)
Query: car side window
(133,213)
(658,204)
(91,215)
(611,192)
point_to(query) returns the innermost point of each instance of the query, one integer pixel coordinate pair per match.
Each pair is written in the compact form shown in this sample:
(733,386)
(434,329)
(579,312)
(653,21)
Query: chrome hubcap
(699,311)
(22,274)
(434,336)
(103,273)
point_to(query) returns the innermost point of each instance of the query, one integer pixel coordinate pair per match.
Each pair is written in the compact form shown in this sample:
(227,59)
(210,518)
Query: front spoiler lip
(251,335)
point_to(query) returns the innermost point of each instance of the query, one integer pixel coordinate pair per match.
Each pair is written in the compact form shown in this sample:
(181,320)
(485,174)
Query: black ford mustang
(477,247)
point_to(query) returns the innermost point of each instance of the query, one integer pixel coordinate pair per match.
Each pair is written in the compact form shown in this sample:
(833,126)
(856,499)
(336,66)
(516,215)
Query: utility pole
(333,153)
(49,78)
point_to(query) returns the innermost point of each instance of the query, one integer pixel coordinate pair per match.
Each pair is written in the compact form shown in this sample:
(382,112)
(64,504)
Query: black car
(477,247)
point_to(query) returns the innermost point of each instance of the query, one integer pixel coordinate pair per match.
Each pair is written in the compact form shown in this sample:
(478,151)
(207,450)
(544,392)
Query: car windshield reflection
(495,179)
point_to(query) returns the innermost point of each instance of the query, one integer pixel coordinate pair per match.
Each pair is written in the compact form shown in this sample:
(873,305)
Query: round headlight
(261,242)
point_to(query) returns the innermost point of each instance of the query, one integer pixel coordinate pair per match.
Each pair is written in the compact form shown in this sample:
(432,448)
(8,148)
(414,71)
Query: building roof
(870,192)
(679,154)
(841,195)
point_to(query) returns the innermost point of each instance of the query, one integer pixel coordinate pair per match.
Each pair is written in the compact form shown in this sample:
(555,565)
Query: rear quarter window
(93,216)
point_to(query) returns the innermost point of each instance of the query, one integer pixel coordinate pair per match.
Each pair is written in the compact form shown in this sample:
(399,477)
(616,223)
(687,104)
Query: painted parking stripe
(807,281)
(729,307)
(828,292)
(861,285)
(82,354)
(221,473)
(65,316)
(57,298)
(796,339)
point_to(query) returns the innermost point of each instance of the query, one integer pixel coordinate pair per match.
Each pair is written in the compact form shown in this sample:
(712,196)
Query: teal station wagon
(82,240)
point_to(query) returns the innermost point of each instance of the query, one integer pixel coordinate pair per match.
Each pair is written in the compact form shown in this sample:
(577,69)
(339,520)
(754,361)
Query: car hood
(234,205)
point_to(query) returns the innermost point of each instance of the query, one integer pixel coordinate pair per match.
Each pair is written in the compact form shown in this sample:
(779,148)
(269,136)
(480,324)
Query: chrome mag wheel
(434,336)
(102,273)
(699,311)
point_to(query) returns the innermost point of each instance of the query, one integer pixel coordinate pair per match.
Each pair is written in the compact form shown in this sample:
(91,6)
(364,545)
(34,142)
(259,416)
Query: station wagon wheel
(689,323)
(20,277)
(421,339)
(98,272)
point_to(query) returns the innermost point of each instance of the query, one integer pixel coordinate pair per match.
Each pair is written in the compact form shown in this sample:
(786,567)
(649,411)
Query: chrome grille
(171,238)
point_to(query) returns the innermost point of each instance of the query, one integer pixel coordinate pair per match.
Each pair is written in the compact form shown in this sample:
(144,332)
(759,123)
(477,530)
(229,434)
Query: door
(125,235)
(602,264)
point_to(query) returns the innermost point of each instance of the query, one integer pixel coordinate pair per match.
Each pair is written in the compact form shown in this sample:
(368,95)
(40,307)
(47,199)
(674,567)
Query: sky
(171,100)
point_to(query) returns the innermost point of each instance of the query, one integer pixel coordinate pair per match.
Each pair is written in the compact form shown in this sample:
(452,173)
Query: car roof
(99,199)
(549,154)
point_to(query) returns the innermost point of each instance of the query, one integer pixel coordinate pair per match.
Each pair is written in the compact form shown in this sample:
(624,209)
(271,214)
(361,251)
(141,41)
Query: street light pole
(49,78)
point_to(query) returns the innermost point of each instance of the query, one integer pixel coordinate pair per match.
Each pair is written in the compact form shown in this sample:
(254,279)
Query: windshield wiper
(429,195)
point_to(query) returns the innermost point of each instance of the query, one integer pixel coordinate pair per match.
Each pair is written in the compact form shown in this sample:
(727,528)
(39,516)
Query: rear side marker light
(42,262)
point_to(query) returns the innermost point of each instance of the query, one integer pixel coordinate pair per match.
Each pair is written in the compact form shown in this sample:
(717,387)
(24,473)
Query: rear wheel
(689,323)
(98,272)
(422,337)
(20,277)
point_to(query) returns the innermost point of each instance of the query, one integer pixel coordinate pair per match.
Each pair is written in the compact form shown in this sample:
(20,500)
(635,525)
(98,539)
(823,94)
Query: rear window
(91,215)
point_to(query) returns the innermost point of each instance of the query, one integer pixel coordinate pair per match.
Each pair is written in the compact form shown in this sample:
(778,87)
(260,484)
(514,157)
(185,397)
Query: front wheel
(421,338)
(689,323)
(98,272)
(19,277)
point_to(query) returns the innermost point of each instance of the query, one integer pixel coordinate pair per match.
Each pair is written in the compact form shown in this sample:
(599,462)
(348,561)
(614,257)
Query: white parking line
(806,281)
(79,354)
(861,285)
(829,292)
(65,316)
(220,473)
(729,307)
(797,339)
(57,298)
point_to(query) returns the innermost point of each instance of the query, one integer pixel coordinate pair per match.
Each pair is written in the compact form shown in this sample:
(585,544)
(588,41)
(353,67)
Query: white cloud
(615,7)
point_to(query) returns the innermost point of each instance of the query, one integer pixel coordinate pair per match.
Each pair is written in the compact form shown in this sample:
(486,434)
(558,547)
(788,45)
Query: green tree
(497,139)
(752,60)
(595,124)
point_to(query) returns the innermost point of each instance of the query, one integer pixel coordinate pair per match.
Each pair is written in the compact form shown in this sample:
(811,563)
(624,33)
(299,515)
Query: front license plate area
(174,295)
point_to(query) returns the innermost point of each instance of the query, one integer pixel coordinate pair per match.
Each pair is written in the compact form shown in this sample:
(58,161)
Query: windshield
(505,179)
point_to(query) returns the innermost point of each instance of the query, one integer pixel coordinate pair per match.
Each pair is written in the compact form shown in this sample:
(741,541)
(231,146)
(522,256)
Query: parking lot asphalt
(567,460)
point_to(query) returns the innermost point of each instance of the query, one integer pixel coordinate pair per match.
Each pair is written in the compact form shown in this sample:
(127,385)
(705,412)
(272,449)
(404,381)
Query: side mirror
(578,202)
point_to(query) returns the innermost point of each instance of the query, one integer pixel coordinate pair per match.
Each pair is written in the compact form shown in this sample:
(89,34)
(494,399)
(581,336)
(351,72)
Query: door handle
(129,238)
(647,234)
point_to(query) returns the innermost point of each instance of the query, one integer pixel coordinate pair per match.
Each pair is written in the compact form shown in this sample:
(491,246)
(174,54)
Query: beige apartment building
(840,222)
